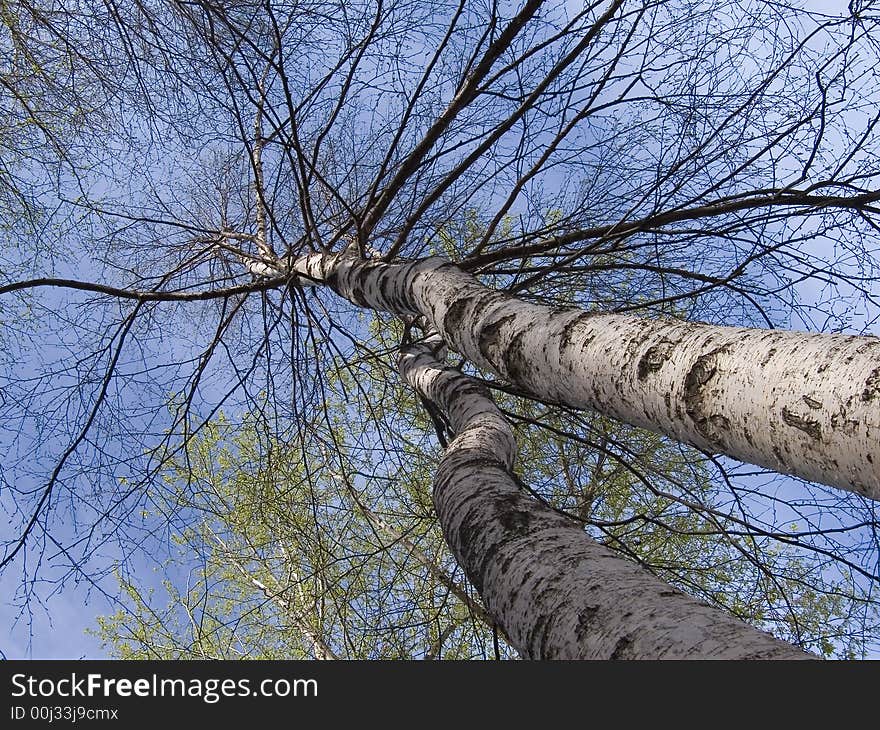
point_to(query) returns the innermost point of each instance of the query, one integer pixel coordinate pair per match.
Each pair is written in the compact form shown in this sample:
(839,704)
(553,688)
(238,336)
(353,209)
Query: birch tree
(662,214)
(387,587)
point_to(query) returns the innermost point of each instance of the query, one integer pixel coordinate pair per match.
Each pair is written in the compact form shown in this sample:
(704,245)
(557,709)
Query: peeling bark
(556,593)
(798,403)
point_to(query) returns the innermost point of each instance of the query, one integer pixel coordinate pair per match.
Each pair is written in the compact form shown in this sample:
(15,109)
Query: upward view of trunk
(556,593)
(797,403)
(219,223)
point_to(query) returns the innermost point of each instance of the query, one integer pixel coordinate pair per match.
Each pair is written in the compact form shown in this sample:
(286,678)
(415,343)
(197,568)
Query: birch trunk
(798,403)
(556,593)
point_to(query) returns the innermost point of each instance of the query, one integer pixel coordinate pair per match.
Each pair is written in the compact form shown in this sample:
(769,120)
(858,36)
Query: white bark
(556,593)
(798,403)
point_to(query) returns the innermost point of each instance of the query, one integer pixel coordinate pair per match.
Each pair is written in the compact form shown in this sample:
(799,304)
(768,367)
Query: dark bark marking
(769,356)
(779,456)
(587,341)
(812,428)
(484,301)
(622,648)
(332,280)
(505,564)
(516,364)
(709,426)
(654,358)
(849,425)
(489,336)
(465,544)
(632,347)
(358,296)
(455,393)
(387,281)
(585,621)
(568,331)
(872,386)
(539,637)
(411,276)
(513,512)
(455,314)
(812,402)
(516,522)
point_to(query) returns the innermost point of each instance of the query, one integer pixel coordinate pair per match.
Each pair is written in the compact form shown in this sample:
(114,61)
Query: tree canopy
(175,396)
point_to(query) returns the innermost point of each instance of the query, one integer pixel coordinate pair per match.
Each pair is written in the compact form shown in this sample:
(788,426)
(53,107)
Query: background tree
(707,161)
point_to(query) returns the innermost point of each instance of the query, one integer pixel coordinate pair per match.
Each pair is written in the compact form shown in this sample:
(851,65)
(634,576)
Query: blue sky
(56,624)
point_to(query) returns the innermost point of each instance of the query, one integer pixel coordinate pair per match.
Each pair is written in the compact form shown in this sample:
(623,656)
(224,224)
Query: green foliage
(700,160)
(293,561)
(328,548)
